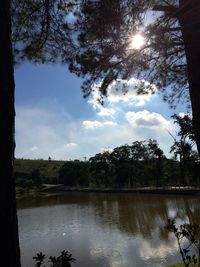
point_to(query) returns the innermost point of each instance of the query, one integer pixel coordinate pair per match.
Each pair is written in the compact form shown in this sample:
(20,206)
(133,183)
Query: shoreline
(140,190)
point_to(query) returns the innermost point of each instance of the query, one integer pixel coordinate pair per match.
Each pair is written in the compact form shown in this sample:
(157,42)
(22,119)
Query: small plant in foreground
(64,260)
(188,242)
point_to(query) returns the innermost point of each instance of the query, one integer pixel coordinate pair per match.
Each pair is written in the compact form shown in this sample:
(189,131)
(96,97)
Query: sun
(137,41)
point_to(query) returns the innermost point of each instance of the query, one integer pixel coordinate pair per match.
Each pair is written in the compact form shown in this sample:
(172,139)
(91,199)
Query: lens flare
(137,41)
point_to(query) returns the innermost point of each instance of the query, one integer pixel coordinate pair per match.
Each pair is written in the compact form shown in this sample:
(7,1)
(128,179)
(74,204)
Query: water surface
(104,229)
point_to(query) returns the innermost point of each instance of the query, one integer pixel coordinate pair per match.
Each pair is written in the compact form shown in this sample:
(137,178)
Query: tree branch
(167,9)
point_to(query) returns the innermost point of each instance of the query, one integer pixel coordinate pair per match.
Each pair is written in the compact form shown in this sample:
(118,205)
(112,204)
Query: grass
(47,168)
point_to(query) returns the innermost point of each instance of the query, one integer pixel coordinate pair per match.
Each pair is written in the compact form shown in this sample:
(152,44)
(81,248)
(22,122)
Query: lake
(104,229)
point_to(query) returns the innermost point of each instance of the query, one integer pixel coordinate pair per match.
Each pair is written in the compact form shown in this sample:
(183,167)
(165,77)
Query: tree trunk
(10,254)
(189,18)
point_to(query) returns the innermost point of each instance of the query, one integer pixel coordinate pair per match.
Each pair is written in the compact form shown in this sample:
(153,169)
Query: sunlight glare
(137,41)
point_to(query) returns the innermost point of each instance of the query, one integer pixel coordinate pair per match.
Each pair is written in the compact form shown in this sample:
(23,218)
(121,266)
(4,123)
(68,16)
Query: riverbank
(139,190)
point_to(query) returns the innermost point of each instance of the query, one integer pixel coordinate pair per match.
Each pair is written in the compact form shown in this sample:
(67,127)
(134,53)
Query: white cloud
(123,91)
(41,133)
(106,149)
(106,112)
(147,119)
(127,91)
(101,110)
(97,124)
(91,124)
(34,148)
(183,114)
(110,123)
(71,145)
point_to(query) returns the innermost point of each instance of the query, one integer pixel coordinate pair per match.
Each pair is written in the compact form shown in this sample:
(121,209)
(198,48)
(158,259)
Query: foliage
(74,173)
(39,171)
(104,54)
(49,31)
(102,170)
(40,32)
(64,260)
(189,233)
(182,146)
(127,165)
(185,126)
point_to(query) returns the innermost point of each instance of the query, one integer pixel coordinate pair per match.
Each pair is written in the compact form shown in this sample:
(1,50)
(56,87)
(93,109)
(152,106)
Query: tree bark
(189,18)
(10,253)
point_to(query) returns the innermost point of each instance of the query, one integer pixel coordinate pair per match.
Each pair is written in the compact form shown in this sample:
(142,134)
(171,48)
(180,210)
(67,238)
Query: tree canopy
(40,31)
(103,45)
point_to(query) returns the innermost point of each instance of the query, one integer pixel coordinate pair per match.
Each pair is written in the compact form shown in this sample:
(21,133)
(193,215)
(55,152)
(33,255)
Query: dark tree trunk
(189,18)
(10,254)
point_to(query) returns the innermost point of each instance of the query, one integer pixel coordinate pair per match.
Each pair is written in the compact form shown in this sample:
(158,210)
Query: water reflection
(113,230)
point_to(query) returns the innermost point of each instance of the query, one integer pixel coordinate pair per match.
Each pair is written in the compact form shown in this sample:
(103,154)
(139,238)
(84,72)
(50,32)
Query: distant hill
(46,170)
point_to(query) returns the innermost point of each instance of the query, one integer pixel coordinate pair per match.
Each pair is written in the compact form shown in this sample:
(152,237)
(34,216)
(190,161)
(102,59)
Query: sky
(54,120)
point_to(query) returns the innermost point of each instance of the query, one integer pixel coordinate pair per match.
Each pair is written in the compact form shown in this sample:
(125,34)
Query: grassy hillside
(47,170)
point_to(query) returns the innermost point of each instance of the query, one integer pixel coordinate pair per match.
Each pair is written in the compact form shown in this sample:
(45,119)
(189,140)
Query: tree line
(142,163)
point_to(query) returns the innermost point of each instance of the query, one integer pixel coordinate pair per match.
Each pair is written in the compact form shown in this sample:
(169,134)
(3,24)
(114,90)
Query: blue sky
(53,119)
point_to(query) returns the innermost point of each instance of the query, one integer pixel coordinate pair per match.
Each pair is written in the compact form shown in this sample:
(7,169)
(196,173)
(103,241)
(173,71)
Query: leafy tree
(182,147)
(64,260)
(102,169)
(171,172)
(129,165)
(187,236)
(193,166)
(138,150)
(157,155)
(169,58)
(121,160)
(74,173)
(40,34)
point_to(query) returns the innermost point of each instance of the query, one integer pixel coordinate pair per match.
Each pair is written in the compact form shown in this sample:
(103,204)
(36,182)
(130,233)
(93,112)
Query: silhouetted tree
(102,170)
(120,157)
(10,255)
(157,155)
(74,173)
(182,147)
(138,150)
(40,31)
(40,34)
